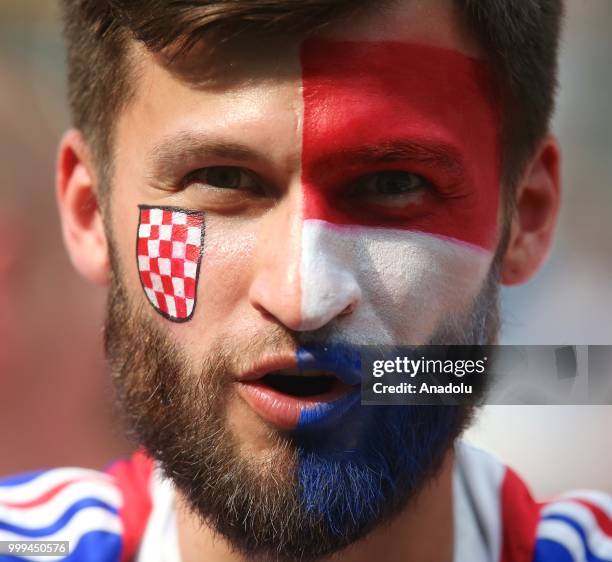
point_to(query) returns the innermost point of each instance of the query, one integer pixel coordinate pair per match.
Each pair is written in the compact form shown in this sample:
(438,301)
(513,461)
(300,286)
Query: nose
(302,280)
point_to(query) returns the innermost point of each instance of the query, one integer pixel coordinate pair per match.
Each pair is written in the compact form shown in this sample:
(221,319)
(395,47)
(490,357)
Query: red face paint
(375,106)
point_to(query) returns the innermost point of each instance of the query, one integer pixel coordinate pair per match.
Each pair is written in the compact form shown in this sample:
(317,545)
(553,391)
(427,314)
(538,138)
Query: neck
(422,532)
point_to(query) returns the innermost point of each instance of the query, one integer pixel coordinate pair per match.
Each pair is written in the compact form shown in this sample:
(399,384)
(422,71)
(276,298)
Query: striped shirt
(126,514)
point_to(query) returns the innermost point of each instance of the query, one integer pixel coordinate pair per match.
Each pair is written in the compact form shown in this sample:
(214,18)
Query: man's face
(337,191)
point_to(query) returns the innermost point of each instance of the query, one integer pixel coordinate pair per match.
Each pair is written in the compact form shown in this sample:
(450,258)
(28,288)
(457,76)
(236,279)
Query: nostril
(348,310)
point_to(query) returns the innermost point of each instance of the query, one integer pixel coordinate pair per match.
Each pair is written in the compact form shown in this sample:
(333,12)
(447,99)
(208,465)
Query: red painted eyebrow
(444,157)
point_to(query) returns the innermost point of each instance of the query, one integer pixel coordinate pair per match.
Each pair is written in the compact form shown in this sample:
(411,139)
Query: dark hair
(520,37)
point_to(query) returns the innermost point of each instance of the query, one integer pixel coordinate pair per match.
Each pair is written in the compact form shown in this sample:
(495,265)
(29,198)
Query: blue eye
(222,177)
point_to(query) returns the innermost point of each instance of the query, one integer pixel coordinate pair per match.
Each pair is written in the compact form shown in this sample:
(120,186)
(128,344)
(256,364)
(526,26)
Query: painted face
(400,180)
(396,220)
(350,199)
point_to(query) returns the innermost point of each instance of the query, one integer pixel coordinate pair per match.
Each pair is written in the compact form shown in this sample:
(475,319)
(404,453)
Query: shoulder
(99,513)
(574,527)
(498,506)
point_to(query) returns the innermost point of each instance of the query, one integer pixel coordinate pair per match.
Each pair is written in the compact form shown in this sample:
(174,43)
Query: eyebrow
(183,149)
(440,155)
(187,148)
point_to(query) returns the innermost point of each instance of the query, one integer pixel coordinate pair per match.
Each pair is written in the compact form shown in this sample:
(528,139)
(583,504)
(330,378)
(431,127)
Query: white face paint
(398,284)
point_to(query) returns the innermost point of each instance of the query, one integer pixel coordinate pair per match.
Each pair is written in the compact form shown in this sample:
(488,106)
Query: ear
(77,197)
(533,223)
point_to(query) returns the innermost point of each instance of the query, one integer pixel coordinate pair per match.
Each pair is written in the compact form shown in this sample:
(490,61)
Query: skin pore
(251,288)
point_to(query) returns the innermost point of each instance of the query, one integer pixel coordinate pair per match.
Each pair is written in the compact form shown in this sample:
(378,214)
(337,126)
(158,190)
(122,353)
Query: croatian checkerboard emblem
(169,252)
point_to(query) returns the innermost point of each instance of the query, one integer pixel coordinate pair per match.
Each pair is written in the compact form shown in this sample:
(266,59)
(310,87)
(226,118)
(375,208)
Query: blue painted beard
(310,494)
(352,485)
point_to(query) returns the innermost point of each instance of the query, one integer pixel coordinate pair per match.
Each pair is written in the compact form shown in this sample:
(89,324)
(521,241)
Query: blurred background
(55,399)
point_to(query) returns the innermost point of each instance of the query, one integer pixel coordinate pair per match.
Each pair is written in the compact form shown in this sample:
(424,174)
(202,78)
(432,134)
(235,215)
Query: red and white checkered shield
(169,251)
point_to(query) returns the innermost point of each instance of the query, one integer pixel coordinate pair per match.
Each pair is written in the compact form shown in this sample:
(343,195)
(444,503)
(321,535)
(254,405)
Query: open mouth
(289,398)
(300,385)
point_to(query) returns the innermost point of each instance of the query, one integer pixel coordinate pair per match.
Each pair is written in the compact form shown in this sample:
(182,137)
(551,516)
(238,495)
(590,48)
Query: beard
(307,495)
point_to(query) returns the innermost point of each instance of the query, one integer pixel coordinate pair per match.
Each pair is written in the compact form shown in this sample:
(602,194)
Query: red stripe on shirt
(603,519)
(520,517)
(133,476)
(48,495)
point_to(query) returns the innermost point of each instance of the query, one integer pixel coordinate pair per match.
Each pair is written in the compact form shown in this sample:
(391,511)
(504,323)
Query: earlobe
(81,217)
(535,215)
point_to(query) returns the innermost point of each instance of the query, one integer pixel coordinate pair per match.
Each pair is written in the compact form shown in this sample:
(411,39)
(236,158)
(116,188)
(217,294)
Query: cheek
(407,281)
(193,270)
(226,265)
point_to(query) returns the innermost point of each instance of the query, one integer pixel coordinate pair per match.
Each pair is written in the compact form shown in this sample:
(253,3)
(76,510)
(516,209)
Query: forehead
(436,23)
(395,55)
(387,89)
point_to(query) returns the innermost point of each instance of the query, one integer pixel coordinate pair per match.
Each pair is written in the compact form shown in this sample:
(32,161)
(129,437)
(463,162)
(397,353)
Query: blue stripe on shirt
(60,522)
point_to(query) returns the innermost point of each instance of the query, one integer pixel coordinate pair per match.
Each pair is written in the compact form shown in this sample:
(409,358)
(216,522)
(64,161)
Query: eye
(222,177)
(392,188)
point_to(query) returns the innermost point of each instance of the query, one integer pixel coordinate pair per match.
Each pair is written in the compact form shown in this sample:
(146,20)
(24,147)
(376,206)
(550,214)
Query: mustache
(327,348)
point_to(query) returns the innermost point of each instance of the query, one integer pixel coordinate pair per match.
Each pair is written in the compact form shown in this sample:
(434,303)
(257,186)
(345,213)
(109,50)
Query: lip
(303,412)
(293,412)
(267,365)
(341,359)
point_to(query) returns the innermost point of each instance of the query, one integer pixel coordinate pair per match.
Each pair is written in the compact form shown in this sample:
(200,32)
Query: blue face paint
(377,457)
(357,463)
(327,413)
(343,360)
